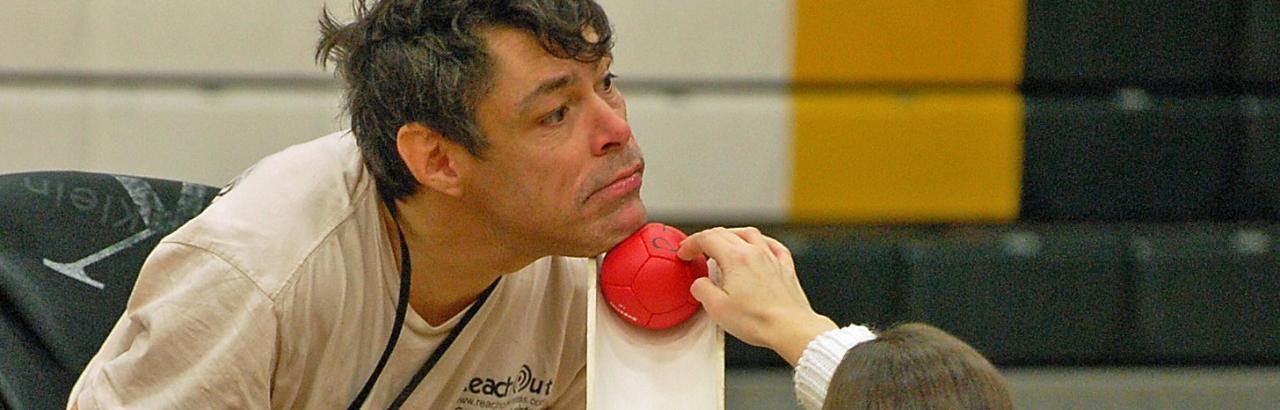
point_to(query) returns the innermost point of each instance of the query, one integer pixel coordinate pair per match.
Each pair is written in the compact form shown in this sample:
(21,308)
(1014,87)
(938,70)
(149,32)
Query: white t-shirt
(282,295)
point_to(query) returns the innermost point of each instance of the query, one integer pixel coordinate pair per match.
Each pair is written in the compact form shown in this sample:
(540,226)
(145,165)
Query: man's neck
(453,257)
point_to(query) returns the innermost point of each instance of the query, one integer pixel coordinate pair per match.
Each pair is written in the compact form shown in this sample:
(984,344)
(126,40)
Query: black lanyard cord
(444,345)
(401,306)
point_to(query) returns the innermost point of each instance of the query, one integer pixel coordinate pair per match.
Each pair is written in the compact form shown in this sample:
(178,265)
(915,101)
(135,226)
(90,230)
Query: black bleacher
(1258,188)
(1184,293)
(1260,60)
(1023,294)
(1151,43)
(1130,157)
(1207,294)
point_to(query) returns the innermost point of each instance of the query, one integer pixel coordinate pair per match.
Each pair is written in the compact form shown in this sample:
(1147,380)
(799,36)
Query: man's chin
(621,225)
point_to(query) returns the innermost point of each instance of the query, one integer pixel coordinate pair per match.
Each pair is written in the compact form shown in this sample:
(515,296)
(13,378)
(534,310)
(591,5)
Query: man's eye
(555,116)
(608,81)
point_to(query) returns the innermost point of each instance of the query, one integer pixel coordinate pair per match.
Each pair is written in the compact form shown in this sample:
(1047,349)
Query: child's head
(916,366)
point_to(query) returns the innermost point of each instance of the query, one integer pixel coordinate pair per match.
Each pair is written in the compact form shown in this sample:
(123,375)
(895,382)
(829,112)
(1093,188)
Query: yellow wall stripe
(882,157)
(913,41)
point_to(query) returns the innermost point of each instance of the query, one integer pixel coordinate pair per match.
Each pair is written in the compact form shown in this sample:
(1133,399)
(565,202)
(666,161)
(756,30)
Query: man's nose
(610,130)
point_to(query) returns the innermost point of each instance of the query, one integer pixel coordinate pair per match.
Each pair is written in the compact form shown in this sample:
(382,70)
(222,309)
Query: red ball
(646,283)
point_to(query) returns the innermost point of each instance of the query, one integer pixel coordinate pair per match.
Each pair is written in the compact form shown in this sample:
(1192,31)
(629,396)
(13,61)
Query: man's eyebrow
(546,87)
(605,63)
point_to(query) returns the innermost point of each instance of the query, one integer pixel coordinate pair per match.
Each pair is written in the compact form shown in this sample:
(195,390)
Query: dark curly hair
(424,61)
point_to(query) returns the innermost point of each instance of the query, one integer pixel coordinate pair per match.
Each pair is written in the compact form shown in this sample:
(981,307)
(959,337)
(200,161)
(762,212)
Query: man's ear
(430,158)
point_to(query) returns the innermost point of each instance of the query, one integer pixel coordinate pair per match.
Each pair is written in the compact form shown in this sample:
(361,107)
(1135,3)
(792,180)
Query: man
(487,142)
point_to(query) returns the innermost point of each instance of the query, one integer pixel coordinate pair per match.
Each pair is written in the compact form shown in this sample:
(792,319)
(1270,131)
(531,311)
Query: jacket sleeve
(196,333)
(819,361)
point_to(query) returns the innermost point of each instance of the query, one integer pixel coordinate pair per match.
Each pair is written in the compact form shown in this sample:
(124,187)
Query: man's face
(562,172)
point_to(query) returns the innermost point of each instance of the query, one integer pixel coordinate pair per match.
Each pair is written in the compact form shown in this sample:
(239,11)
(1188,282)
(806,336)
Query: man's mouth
(624,183)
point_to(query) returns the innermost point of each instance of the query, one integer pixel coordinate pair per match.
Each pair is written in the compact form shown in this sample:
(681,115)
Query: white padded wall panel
(229,37)
(714,156)
(42,34)
(141,37)
(41,128)
(202,136)
(702,40)
(711,40)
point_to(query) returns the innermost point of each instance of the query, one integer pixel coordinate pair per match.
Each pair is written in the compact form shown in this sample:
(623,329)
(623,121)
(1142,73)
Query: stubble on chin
(600,241)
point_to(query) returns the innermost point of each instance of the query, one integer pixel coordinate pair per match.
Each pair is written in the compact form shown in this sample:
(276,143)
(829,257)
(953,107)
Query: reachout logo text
(522,381)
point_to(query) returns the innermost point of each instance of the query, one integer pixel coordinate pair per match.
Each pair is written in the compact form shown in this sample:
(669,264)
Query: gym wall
(753,111)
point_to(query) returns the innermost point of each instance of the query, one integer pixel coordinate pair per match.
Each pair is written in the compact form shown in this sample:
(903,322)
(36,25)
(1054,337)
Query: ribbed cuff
(819,361)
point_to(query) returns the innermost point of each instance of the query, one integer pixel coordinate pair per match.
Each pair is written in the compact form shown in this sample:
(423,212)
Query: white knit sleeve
(819,360)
